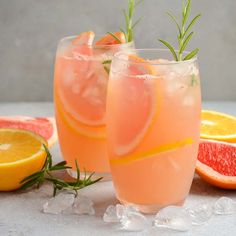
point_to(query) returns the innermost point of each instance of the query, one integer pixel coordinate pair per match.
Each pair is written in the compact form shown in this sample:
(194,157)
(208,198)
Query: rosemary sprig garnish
(46,174)
(129,25)
(184,35)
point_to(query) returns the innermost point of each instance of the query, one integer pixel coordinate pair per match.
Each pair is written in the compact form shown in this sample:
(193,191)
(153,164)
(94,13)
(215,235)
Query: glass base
(105,176)
(150,209)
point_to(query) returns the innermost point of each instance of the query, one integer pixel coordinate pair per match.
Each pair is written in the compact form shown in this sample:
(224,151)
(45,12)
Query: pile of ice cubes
(172,217)
(128,218)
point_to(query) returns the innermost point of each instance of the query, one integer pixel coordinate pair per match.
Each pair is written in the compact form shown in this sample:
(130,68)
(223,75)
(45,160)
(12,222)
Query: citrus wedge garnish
(133,105)
(218,126)
(153,152)
(108,39)
(21,154)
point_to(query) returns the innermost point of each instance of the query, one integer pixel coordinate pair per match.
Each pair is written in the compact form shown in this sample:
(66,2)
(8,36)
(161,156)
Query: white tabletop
(21,215)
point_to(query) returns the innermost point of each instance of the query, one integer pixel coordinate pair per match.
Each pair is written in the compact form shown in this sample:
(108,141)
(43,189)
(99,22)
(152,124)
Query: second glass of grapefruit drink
(80,89)
(153,127)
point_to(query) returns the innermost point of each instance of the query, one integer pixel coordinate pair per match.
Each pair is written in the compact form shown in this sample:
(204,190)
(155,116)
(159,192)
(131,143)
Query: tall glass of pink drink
(80,89)
(153,127)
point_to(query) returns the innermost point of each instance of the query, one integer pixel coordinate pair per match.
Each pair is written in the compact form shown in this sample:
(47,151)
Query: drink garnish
(184,35)
(47,174)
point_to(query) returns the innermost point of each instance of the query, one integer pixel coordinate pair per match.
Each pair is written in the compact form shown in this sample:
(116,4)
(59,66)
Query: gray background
(30,30)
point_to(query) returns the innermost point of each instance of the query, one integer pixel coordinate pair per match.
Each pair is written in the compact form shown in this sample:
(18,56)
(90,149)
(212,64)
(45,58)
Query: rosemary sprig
(46,174)
(129,25)
(184,34)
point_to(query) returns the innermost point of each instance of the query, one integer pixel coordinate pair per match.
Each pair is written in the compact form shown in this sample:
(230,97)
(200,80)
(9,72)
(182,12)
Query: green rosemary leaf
(191,24)
(191,54)
(29,184)
(77,170)
(174,19)
(138,3)
(106,69)
(106,62)
(94,181)
(186,12)
(170,48)
(136,22)
(62,163)
(31,177)
(49,157)
(54,168)
(115,37)
(131,8)
(185,43)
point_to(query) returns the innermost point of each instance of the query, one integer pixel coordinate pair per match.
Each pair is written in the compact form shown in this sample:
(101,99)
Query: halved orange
(108,39)
(21,154)
(218,126)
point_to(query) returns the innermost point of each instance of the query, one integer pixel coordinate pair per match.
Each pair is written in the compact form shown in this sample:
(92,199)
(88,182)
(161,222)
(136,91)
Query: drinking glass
(153,127)
(80,89)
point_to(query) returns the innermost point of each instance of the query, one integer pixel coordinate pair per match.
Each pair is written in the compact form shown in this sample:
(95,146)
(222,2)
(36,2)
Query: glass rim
(119,56)
(67,38)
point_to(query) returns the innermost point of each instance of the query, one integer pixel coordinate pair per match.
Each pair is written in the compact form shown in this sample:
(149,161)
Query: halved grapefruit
(43,126)
(134,104)
(216,163)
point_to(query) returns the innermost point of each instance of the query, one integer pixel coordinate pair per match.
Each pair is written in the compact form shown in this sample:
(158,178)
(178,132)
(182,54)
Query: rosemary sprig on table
(184,34)
(46,174)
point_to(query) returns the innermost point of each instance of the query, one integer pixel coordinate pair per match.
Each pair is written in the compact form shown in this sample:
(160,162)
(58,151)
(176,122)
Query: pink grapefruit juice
(80,89)
(153,125)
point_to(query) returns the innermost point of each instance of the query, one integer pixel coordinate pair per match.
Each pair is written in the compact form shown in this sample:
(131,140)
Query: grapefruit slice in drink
(217,163)
(135,103)
(43,126)
(81,82)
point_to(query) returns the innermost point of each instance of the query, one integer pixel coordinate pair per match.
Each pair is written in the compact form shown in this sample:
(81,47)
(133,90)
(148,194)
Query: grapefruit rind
(23,120)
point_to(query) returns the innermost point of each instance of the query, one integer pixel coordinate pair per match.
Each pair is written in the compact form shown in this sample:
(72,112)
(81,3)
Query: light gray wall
(30,30)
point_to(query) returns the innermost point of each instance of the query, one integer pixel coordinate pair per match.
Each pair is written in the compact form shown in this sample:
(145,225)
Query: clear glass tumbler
(153,127)
(80,90)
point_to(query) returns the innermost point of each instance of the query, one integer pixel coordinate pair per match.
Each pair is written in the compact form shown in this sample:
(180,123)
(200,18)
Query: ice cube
(133,221)
(59,203)
(110,215)
(225,206)
(201,213)
(83,206)
(173,217)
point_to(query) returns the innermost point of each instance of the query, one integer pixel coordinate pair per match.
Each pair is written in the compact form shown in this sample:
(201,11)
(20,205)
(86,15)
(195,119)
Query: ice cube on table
(83,206)
(201,213)
(110,215)
(59,203)
(225,206)
(133,221)
(173,217)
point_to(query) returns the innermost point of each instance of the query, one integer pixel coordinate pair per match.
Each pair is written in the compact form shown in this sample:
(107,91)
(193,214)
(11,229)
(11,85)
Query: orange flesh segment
(84,38)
